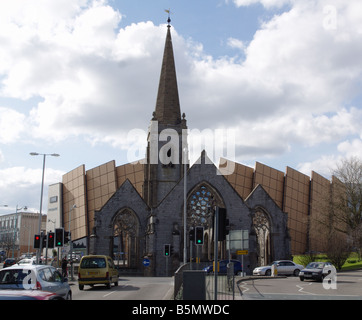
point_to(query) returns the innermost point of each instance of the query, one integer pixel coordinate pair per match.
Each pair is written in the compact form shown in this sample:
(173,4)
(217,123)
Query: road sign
(237,240)
(146,262)
(242,252)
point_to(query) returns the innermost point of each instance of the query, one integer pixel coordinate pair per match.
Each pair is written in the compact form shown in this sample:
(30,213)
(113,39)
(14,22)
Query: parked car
(9,262)
(74,256)
(27,261)
(317,271)
(223,266)
(35,277)
(97,269)
(285,267)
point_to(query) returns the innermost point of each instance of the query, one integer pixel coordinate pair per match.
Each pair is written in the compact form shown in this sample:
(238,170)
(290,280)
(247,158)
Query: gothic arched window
(262,228)
(200,205)
(125,237)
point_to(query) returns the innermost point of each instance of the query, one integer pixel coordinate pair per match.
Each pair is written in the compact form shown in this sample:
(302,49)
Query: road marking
(301,290)
(168,294)
(243,286)
(106,295)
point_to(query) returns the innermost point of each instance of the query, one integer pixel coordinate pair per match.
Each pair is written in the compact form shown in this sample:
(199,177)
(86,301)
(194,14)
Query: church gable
(270,225)
(125,196)
(259,197)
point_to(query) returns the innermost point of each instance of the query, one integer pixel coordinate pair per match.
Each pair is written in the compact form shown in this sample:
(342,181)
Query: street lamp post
(71,244)
(185,206)
(41,196)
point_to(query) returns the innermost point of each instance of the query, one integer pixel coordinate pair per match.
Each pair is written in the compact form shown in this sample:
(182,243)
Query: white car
(27,261)
(285,267)
(35,277)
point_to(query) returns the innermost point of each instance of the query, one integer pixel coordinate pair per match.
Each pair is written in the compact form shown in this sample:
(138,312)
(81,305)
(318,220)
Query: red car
(28,295)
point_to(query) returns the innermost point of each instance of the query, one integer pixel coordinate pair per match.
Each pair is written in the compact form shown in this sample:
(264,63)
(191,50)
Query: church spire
(167,109)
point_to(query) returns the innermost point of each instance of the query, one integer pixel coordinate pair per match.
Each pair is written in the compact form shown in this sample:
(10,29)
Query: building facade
(133,210)
(17,232)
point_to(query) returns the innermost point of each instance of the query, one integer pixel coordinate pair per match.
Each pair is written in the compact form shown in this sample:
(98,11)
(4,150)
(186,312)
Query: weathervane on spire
(169,18)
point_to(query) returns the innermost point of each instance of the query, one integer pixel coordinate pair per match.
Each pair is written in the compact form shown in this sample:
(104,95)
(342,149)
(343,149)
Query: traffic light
(192,235)
(59,237)
(199,235)
(167,250)
(36,241)
(66,237)
(50,239)
(223,224)
(43,240)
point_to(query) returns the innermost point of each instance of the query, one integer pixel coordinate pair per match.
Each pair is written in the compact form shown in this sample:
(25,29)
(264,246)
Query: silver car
(285,267)
(35,277)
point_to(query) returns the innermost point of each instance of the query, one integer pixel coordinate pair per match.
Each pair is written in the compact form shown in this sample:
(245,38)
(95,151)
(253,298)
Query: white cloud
(351,148)
(15,181)
(325,166)
(99,81)
(12,123)
(265,3)
(236,43)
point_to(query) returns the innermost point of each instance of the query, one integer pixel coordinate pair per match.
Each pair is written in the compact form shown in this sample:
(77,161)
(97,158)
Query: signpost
(238,241)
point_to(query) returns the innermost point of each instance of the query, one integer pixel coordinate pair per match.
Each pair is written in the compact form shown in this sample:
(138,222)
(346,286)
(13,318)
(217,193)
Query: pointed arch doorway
(125,244)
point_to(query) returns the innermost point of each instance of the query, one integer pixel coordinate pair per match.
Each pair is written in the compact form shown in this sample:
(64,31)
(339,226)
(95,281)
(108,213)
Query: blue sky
(77,76)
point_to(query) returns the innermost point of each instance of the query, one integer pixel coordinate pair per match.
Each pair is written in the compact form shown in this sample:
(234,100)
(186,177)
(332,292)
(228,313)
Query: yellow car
(97,269)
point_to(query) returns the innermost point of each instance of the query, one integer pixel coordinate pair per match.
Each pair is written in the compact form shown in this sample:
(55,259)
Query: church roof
(167,109)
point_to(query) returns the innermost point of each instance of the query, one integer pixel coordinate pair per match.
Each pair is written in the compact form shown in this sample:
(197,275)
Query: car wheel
(81,287)
(69,296)
(296,272)
(268,273)
(301,278)
(108,285)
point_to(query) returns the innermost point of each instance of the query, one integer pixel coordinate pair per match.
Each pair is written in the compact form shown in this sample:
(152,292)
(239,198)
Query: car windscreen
(93,263)
(315,265)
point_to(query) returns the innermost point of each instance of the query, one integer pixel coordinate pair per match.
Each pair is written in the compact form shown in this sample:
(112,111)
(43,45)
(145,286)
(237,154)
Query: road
(347,287)
(129,288)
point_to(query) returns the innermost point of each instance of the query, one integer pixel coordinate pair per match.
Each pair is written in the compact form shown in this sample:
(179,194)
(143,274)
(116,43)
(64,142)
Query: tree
(347,201)
(338,250)
(7,242)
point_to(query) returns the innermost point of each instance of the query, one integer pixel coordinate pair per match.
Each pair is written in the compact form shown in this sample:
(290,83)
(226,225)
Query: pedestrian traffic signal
(36,241)
(59,237)
(50,239)
(167,250)
(199,235)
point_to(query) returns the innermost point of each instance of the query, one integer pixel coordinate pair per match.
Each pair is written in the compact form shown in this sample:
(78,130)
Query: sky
(80,77)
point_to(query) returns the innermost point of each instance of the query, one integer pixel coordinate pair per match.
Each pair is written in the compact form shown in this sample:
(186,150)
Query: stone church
(139,224)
